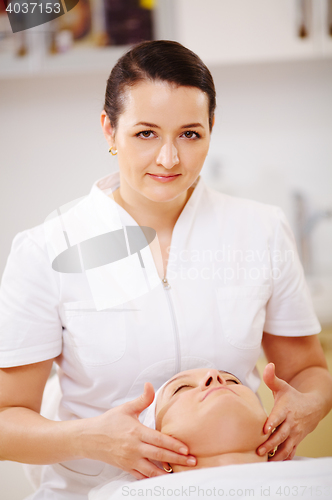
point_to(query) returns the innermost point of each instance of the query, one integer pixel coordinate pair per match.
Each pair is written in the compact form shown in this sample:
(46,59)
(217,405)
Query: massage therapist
(220,281)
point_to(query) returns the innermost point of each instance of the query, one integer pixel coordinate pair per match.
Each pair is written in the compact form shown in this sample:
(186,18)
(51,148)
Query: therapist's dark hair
(157,60)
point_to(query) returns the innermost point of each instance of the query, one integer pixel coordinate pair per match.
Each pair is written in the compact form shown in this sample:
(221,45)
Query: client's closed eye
(180,387)
(233,380)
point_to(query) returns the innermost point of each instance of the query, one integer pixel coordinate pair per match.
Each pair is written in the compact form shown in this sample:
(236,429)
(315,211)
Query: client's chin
(222,439)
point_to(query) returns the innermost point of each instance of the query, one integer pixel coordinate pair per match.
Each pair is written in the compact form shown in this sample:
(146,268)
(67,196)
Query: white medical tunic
(233,272)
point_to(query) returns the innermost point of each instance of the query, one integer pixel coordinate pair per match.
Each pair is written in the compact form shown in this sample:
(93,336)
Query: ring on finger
(273,452)
(168,469)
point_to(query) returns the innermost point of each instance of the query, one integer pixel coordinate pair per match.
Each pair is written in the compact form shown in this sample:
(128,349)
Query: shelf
(223,32)
(80,59)
(84,57)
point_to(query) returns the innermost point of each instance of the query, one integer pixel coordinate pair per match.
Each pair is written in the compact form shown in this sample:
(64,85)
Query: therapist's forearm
(317,381)
(27,437)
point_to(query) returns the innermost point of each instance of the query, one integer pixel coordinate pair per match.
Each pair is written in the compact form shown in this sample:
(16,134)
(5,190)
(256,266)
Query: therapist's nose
(212,378)
(168,156)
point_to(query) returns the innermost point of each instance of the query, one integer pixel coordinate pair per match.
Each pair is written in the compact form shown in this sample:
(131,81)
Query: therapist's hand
(293,416)
(118,438)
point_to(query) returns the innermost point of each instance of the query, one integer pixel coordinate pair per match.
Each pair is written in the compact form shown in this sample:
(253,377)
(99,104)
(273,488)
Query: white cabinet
(324,19)
(227,31)
(220,31)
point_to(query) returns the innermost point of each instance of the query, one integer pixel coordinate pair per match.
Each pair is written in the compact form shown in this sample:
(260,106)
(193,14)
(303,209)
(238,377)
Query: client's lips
(218,389)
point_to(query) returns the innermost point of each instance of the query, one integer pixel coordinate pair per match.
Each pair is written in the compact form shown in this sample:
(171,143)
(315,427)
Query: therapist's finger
(284,451)
(136,406)
(148,469)
(137,474)
(277,417)
(275,441)
(279,388)
(274,383)
(156,438)
(292,454)
(163,455)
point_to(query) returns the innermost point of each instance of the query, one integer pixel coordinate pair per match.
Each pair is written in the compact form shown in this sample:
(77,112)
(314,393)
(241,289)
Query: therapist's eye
(191,134)
(180,387)
(146,134)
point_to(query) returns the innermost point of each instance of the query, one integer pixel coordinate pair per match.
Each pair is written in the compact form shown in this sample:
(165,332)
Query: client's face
(212,412)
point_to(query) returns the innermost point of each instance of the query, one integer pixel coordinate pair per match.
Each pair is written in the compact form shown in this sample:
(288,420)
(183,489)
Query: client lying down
(221,421)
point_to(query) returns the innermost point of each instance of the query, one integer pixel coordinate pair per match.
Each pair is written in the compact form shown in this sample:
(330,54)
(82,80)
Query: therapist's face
(162,139)
(212,412)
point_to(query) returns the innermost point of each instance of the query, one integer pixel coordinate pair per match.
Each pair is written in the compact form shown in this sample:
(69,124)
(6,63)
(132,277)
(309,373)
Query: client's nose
(211,378)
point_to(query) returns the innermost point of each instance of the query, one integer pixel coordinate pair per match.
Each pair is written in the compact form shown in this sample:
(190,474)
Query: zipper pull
(165,283)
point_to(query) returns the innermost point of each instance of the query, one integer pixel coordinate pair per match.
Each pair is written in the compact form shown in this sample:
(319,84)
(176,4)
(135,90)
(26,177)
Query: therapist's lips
(163,178)
(218,389)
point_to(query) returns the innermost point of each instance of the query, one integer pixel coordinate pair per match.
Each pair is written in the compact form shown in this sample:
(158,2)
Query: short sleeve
(290,310)
(30,326)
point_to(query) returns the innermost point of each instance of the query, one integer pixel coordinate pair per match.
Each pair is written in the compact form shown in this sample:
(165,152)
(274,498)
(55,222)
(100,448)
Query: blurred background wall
(272,135)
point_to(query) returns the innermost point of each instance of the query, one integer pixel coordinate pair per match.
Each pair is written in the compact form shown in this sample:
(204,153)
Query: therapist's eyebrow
(146,124)
(193,125)
(153,125)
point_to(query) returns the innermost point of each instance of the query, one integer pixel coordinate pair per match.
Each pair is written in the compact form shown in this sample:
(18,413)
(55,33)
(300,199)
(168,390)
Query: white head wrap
(149,419)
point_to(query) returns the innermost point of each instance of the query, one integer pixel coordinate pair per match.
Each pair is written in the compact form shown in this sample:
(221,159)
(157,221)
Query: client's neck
(247,457)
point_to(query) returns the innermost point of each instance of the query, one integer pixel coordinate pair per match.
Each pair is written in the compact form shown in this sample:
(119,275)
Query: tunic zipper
(167,287)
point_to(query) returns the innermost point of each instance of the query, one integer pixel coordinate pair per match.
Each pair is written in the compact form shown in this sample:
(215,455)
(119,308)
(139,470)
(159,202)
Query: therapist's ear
(108,130)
